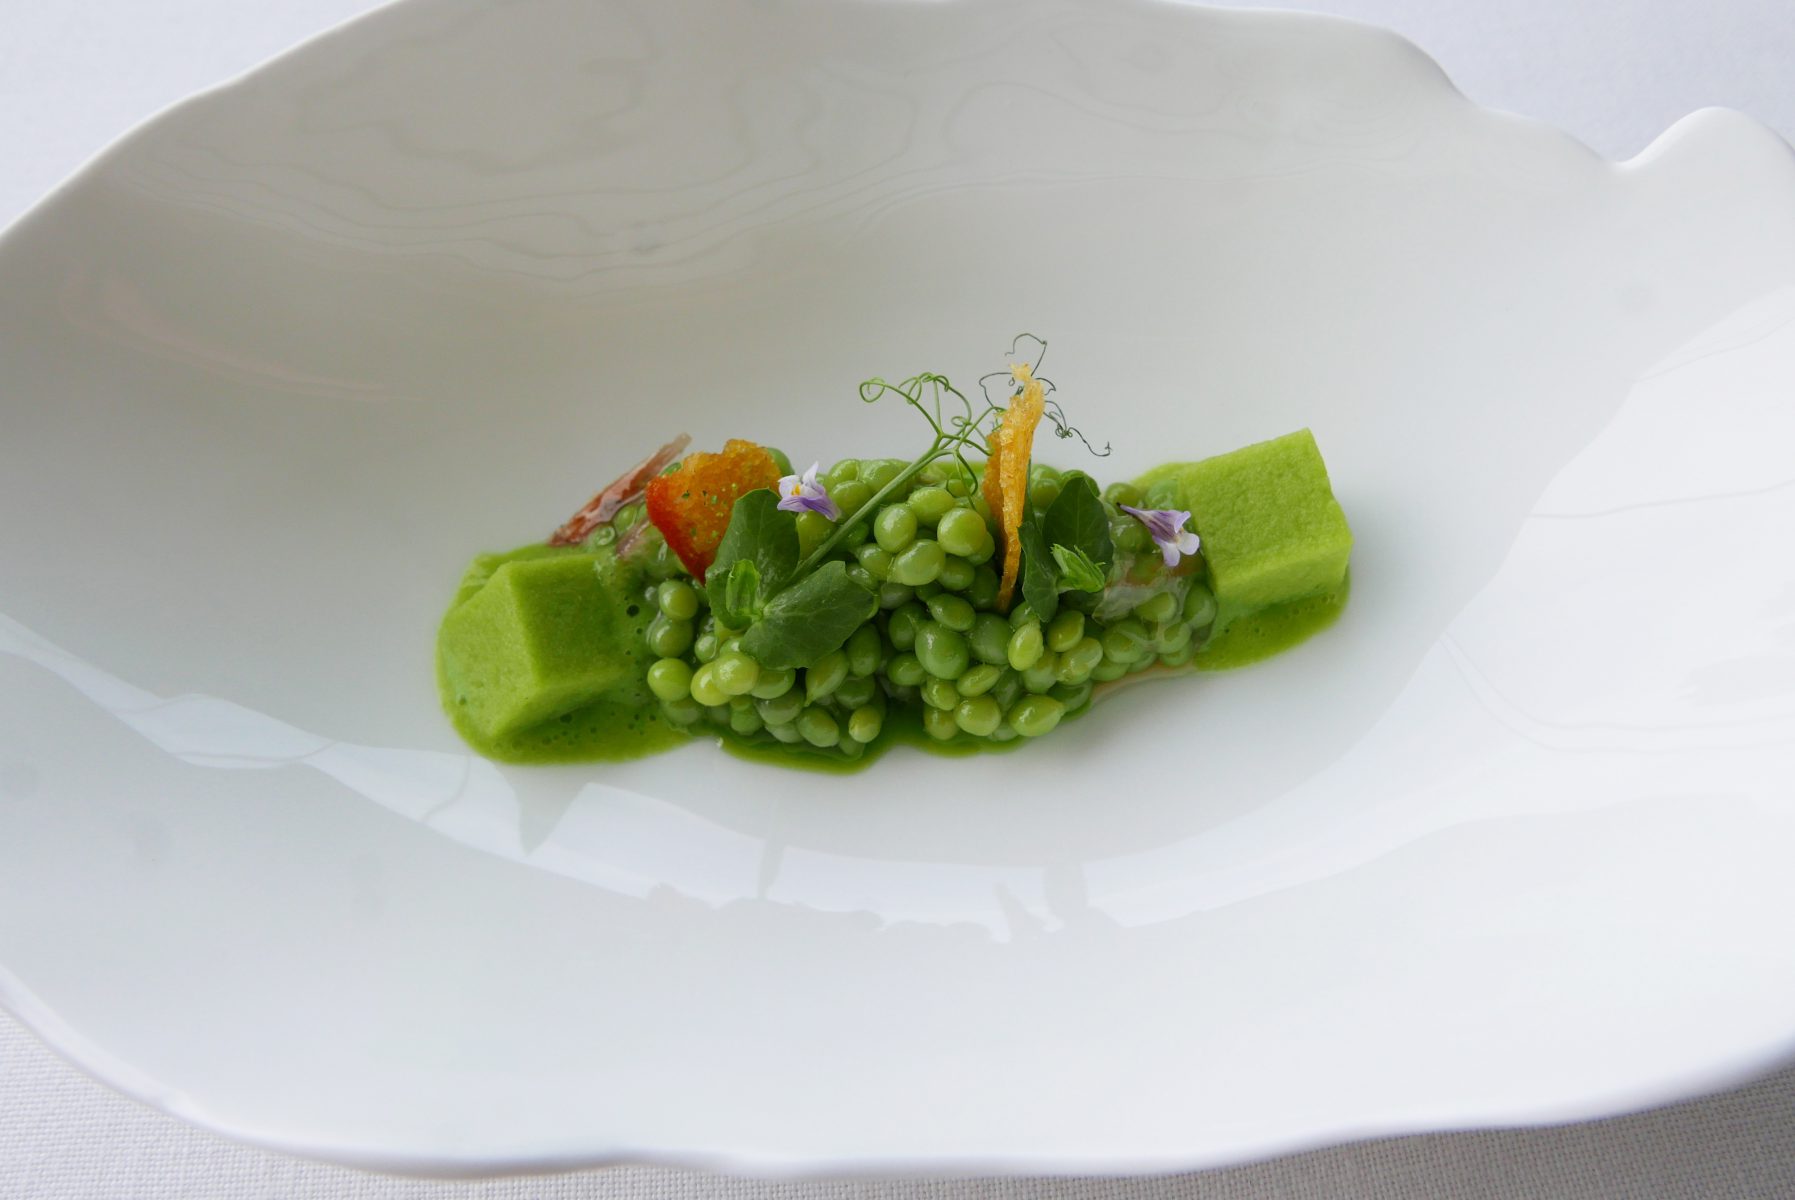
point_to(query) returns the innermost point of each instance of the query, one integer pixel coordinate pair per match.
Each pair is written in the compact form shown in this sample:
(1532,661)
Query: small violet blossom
(806,495)
(1167,527)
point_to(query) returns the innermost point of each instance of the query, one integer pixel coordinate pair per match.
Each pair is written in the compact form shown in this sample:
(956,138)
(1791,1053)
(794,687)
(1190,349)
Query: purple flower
(1167,527)
(806,495)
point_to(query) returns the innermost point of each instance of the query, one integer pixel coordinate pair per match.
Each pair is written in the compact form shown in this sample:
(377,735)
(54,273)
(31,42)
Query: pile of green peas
(937,645)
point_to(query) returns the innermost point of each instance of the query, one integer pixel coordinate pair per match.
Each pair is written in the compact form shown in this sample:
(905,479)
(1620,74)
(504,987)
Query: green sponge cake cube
(542,637)
(1271,528)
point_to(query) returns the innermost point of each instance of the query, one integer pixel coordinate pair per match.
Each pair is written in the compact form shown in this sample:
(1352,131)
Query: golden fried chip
(1015,440)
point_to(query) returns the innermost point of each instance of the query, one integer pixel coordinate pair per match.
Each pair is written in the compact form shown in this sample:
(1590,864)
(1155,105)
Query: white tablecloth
(75,73)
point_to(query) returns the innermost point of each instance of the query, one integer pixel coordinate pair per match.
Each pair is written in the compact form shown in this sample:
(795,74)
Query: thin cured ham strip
(625,489)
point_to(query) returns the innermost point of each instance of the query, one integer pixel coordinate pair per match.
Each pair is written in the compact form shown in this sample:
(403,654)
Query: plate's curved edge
(1723,132)
(94,1062)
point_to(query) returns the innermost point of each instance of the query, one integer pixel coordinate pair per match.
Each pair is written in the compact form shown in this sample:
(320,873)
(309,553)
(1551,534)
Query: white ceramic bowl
(1509,844)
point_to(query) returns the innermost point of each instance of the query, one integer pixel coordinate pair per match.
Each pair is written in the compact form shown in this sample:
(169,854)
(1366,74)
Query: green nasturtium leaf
(1040,574)
(809,619)
(766,538)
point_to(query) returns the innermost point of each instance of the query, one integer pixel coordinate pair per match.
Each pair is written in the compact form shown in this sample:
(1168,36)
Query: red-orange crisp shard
(691,505)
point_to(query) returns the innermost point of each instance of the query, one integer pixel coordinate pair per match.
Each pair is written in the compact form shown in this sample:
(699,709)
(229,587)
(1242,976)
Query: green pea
(891,595)
(782,709)
(1008,688)
(683,711)
(943,652)
(841,471)
(1025,647)
(780,460)
(863,577)
(1123,493)
(1065,630)
(858,534)
(854,691)
(863,650)
(961,531)
(978,715)
(786,733)
(670,679)
(952,611)
(894,528)
(745,720)
(1158,608)
(930,503)
(905,670)
(1131,536)
(735,673)
(940,693)
(662,562)
(981,506)
(731,643)
(989,638)
(825,675)
(1043,492)
(1043,675)
(813,529)
(1021,615)
(818,728)
(1033,716)
(864,723)
(1077,663)
(773,683)
(1110,669)
(678,600)
(928,591)
(939,724)
(956,574)
(669,638)
(1004,733)
(705,688)
(919,564)
(875,559)
(1174,637)
(706,647)
(1127,641)
(901,626)
(876,473)
(1074,696)
(958,487)
(1180,657)
(979,679)
(1163,493)
(626,516)
(986,551)
(1199,605)
(851,496)
(982,591)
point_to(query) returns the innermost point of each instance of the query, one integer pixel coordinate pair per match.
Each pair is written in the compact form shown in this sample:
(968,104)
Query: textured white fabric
(74,73)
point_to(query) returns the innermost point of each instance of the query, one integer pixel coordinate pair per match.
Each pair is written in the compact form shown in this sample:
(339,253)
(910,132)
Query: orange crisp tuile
(1012,448)
(691,504)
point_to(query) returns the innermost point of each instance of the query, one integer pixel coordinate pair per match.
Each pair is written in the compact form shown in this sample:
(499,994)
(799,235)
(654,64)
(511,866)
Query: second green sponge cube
(1271,528)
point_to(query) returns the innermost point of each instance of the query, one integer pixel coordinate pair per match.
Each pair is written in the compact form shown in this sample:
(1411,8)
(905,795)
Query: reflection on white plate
(279,363)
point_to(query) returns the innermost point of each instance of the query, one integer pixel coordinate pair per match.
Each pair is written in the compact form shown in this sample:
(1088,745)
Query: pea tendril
(955,432)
